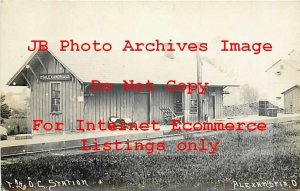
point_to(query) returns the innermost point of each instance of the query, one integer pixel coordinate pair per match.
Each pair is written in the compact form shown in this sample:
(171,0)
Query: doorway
(141,107)
(212,107)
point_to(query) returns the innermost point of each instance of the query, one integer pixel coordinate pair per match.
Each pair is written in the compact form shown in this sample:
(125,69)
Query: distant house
(60,85)
(292,99)
(282,75)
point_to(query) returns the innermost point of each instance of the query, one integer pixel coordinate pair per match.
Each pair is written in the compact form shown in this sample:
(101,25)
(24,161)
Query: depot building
(60,87)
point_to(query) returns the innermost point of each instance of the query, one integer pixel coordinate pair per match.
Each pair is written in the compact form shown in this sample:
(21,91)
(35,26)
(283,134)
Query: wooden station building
(292,99)
(60,86)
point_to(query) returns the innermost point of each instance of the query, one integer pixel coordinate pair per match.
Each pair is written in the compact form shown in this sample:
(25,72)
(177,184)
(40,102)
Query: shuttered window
(55,98)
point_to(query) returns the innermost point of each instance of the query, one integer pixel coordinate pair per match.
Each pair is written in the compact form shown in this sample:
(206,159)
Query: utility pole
(199,79)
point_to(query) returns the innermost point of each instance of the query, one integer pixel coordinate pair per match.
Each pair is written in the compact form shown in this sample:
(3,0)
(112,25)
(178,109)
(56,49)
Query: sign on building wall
(56,77)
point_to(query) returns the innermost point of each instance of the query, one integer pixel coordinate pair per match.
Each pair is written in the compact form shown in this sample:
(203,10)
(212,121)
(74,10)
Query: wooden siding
(40,100)
(160,98)
(102,105)
(292,100)
(120,103)
(217,92)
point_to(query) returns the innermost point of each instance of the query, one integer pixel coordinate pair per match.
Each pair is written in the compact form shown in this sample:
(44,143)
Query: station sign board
(55,77)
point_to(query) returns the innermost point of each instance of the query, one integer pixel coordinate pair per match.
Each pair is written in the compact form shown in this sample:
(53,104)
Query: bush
(16,125)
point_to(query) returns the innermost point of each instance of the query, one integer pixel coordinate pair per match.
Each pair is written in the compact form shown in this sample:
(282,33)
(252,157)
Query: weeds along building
(60,86)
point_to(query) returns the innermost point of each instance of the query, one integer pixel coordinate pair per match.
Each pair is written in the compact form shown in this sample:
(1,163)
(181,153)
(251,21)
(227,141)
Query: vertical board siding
(40,104)
(207,108)
(160,98)
(292,97)
(120,103)
(101,105)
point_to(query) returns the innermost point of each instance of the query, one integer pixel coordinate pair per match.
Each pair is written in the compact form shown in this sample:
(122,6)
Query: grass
(245,157)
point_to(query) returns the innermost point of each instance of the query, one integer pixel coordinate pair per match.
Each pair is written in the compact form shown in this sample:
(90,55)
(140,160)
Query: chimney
(169,54)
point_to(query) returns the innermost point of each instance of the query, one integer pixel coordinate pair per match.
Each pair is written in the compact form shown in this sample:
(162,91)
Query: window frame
(55,112)
(194,98)
(181,102)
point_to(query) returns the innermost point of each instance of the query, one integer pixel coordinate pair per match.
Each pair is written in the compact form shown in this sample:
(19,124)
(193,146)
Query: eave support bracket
(28,83)
(41,62)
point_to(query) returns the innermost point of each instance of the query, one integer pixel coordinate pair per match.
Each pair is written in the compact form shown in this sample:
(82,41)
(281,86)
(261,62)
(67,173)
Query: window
(55,97)
(178,102)
(194,104)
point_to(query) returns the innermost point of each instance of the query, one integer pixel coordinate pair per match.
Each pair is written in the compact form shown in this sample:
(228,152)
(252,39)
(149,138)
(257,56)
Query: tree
(5,110)
(249,94)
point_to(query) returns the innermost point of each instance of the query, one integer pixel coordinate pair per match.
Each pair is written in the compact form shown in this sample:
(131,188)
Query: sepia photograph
(150,95)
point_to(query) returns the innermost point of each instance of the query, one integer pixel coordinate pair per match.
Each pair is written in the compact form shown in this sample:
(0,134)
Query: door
(212,107)
(141,108)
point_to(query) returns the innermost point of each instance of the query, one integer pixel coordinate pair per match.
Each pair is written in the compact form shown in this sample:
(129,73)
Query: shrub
(16,126)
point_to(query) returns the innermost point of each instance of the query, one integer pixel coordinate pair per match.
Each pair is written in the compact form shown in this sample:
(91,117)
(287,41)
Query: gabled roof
(295,86)
(293,60)
(116,66)
(18,76)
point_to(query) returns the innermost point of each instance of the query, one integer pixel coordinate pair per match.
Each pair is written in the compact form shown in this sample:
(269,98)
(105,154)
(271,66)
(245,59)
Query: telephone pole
(199,79)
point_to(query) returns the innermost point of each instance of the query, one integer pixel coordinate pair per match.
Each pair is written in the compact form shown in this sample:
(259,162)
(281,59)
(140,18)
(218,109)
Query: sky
(273,22)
